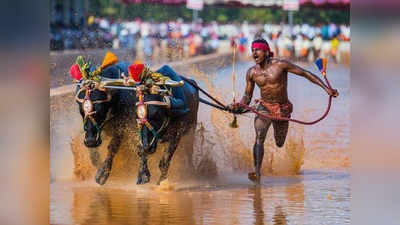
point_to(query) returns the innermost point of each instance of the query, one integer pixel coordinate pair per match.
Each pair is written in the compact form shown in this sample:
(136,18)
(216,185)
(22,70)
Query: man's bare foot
(253,177)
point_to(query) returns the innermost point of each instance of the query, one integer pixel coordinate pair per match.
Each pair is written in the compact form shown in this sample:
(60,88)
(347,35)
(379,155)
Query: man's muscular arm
(308,75)
(248,92)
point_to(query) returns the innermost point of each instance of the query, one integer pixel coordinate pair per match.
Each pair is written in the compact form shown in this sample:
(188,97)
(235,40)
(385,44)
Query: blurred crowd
(179,39)
(306,43)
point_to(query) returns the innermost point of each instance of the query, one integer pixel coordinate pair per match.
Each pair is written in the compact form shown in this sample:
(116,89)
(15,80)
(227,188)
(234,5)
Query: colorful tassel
(80,61)
(75,72)
(135,71)
(234,124)
(109,59)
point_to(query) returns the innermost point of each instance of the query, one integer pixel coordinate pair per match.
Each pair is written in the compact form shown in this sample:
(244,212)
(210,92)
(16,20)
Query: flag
(321,65)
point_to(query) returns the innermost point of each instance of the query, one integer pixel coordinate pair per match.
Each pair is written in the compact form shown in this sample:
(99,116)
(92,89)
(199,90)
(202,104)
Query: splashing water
(234,146)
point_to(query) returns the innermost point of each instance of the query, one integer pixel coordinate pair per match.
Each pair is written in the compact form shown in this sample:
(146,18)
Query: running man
(270,75)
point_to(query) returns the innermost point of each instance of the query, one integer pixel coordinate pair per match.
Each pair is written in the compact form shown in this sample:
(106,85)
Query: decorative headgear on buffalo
(75,72)
(82,69)
(263,45)
(138,71)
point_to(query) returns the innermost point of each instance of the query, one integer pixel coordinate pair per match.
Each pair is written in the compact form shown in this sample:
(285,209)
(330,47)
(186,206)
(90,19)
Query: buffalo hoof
(94,157)
(143,178)
(104,171)
(162,178)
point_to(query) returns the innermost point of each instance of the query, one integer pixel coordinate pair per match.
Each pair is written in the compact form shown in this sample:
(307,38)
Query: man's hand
(234,108)
(333,92)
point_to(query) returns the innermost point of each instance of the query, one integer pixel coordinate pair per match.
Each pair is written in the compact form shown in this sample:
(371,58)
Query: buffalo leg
(166,159)
(94,157)
(143,173)
(104,171)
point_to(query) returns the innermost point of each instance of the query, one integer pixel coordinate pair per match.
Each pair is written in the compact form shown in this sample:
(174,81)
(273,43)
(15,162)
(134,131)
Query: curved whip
(266,116)
(247,108)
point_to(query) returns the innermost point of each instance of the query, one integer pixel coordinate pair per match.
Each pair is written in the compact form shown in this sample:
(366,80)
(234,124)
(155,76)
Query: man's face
(258,55)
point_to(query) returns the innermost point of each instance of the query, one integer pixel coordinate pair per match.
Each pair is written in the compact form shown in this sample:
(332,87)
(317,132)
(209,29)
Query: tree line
(159,12)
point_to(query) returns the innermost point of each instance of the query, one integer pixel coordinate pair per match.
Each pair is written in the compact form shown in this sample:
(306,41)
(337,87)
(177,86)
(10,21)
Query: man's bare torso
(272,81)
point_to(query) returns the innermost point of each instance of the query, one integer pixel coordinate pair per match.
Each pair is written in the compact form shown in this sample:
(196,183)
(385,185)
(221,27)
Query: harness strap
(153,131)
(151,128)
(108,118)
(204,92)
(145,122)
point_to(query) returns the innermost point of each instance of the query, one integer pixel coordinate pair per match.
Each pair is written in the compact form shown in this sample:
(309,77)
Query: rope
(247,108)
(212,104)
(266,116)
(204,92)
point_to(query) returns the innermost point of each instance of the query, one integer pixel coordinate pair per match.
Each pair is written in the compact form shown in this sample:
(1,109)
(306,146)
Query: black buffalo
(157,122)
(119,108)
(99,107)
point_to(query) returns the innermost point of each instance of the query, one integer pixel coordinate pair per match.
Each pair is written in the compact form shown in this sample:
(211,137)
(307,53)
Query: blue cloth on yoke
(178,102)
(114,71)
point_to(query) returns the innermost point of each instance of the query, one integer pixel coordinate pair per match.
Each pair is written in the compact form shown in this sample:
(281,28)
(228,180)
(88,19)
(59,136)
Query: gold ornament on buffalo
(87,107)
(141,111)
(155,90)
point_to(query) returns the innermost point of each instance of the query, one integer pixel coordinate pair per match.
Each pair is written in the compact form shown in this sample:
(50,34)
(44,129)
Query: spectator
(149,38)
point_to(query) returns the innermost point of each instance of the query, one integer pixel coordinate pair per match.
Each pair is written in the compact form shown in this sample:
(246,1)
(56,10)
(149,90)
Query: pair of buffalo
(140,110)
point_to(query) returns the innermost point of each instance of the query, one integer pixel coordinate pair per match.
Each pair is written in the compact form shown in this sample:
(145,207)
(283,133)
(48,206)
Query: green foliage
(110,11)
(222,18)
(314,16)
(159,12)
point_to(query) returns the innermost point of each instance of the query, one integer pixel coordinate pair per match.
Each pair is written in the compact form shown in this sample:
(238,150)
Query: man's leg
(280,132)
(261,126)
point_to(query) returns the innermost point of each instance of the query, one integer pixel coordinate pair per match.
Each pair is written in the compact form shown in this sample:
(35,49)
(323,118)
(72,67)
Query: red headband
(262,46)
